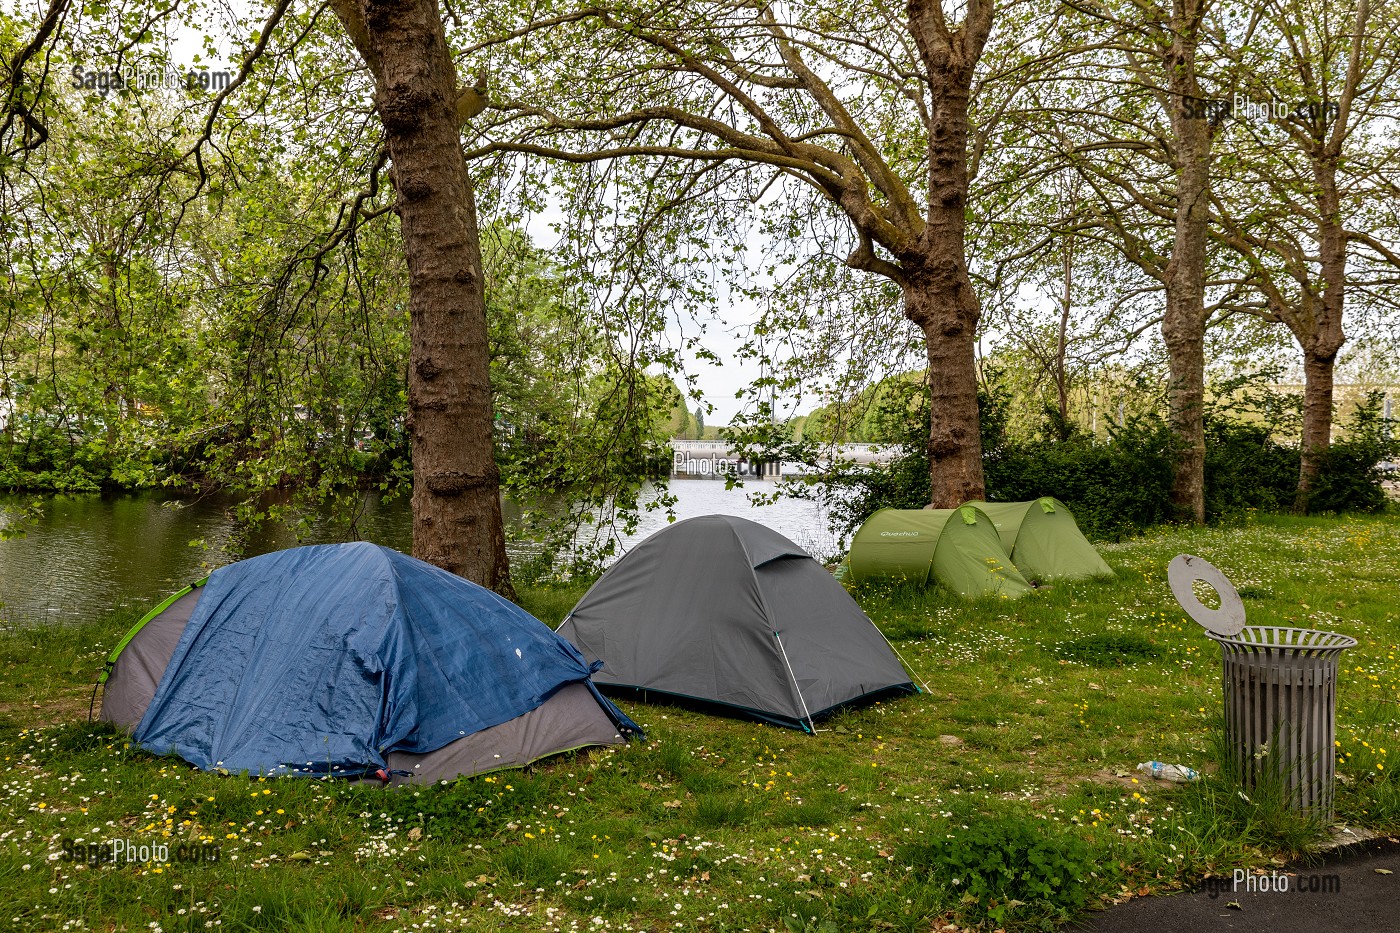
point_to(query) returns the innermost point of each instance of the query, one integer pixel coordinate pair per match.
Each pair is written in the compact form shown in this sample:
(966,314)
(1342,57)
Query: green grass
(1036,714)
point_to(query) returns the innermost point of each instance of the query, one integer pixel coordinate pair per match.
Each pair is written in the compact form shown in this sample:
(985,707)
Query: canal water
(90,554)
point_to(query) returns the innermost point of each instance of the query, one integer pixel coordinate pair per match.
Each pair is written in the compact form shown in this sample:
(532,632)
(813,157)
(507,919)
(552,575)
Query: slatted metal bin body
(1281,709)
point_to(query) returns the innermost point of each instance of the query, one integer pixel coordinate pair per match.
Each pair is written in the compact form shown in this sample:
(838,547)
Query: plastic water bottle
(1179,774)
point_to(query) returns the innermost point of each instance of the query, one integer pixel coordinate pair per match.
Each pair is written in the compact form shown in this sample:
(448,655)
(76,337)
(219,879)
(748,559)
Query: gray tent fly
(722,610)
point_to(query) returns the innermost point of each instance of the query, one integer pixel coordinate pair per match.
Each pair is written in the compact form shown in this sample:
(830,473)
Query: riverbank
(130,551)
(1026,742)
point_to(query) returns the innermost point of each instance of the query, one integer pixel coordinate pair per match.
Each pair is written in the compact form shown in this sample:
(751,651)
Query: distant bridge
(718,459)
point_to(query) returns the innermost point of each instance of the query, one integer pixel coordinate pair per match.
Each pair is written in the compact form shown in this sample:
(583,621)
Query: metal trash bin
(1281,709)
(1280,690)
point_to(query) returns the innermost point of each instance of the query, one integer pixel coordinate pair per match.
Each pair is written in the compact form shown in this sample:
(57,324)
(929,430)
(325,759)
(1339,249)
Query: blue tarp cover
(325,658)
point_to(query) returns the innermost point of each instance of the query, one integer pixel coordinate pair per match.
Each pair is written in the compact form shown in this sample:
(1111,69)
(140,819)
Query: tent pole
(796,689)
(907,668)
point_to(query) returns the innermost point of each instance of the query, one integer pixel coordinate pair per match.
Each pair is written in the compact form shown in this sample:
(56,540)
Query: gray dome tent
(724,611)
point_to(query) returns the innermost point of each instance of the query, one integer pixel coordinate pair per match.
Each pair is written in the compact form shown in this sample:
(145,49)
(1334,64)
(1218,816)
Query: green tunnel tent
(958,548)
(1044,540)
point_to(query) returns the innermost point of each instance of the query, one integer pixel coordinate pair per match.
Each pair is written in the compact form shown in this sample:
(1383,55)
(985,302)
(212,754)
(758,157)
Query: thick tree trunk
(1183,330)
(1324,341)
(1184,323)
(955,441)
(938,293)
(457,521)
(1317,421)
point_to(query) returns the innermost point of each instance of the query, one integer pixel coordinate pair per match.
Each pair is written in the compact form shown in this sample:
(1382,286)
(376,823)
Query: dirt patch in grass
(70,705)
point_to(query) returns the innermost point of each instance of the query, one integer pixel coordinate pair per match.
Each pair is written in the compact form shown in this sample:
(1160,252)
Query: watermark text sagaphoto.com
(1242,881)
(129,851)
(106,81)
(1242,108)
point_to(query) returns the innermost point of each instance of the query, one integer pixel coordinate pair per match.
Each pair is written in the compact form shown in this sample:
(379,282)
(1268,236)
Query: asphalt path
(1356,890)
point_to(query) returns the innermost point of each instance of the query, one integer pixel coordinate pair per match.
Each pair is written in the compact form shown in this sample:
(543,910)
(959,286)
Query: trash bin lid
(1185,570)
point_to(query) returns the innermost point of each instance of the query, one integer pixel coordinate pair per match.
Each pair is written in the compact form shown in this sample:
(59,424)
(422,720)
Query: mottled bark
(1317,421)
(457,522)
(1184,321)
(1183,330)
(955,442)
(1321,334)
(938,292)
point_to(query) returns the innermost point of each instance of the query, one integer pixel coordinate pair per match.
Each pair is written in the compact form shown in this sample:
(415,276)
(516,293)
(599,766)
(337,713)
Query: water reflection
(89,554)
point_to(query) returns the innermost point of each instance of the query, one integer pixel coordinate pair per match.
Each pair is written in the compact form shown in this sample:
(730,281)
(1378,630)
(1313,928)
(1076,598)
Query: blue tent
(353,659)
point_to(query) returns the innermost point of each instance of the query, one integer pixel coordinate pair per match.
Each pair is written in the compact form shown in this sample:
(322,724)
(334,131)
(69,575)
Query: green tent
(1044,541)
(957,547)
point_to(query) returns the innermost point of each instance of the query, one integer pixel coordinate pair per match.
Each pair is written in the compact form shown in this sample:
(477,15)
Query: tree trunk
(1183,330)
(1321,346)
(1317,421)
(955,440)
(1184,323)
(938,293)
(457,521)
(1062,340)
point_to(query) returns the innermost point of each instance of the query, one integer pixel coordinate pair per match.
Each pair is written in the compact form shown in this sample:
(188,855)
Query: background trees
(237,248)
(217,286)
(1296,203)
(857,114)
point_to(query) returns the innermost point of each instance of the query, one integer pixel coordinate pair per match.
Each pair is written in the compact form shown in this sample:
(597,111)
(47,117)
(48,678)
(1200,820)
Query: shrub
(1122,485)
(1109,649)
(1247,469)
(1009,867)
(1114,488)
(1351,476)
